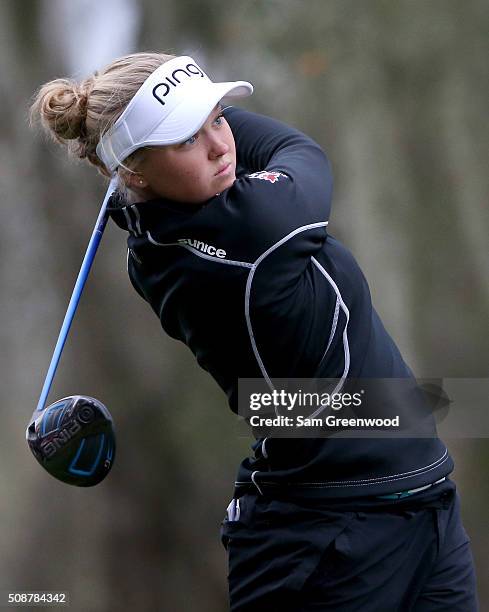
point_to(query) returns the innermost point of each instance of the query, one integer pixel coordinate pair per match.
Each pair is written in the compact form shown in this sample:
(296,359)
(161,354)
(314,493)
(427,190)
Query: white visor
(169,107)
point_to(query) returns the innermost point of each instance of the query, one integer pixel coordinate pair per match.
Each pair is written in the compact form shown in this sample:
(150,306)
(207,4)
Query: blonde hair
(77,114)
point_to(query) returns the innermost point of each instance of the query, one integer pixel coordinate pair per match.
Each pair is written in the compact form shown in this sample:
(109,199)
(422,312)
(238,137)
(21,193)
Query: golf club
(74,439)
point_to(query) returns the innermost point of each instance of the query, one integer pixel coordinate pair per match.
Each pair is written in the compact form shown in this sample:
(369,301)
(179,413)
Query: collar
(139,217)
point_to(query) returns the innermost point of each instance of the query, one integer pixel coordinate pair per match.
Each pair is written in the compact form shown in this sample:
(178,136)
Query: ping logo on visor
(190,70)
(169,107)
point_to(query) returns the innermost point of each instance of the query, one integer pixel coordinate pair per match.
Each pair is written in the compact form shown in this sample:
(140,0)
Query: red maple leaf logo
(264,175)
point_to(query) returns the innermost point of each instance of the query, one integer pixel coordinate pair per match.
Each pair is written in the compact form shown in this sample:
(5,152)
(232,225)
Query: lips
(223,169)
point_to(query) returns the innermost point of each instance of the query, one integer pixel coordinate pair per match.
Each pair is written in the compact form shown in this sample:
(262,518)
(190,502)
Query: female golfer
(227,214)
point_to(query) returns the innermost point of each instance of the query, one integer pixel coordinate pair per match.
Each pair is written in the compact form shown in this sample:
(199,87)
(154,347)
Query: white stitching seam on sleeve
(248,293)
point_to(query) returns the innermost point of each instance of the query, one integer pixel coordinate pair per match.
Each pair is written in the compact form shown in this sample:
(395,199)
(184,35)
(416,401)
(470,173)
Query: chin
(229,181)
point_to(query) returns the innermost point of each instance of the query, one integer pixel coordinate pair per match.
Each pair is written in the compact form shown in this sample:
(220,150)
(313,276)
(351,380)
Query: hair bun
(62,106)
(77,114)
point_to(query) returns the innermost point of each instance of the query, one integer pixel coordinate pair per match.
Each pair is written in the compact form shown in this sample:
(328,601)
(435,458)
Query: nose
(217,145)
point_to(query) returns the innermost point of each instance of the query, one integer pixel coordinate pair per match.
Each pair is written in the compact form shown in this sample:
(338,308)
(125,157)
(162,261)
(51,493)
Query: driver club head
(74,440)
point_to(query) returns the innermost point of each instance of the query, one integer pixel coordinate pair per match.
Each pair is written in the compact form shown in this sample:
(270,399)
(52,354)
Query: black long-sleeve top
(254,284)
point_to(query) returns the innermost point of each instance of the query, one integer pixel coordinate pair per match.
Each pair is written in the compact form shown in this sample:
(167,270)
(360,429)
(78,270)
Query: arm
(263,208)
(263,143)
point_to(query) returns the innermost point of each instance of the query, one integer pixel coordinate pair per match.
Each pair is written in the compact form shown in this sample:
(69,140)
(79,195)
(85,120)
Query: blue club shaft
(77,291)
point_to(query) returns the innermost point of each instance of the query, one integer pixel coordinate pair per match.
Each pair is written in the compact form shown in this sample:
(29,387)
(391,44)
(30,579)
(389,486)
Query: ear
(134,180)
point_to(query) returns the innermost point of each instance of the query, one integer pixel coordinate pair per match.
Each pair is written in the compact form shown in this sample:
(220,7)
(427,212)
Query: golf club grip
(77,290)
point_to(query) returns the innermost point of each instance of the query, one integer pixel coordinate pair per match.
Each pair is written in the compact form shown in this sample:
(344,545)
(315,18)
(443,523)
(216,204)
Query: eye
(191,140)
(219,120)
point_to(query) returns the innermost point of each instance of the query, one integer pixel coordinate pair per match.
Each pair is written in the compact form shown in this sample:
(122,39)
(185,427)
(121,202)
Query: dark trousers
(304,557)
